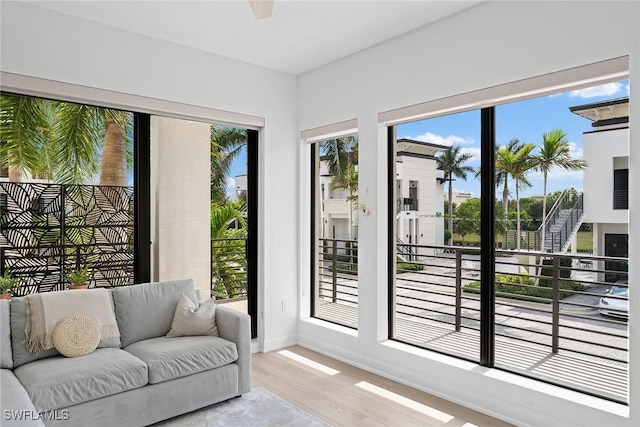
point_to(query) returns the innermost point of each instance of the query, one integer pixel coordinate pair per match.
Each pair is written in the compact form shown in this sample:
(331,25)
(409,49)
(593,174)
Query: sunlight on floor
(411,404)
(315,365)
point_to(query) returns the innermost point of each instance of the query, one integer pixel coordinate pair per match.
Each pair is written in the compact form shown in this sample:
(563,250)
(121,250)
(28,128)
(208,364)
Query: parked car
(616,303)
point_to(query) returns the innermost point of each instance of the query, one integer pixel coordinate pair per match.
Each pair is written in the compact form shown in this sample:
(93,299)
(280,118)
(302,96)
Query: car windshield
(619,291)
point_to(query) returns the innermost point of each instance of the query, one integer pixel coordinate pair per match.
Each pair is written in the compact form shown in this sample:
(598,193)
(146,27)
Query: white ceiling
(301,35)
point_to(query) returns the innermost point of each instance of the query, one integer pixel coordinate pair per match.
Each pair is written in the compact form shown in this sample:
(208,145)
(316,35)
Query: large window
(234,172)
(335,213)
(508,257)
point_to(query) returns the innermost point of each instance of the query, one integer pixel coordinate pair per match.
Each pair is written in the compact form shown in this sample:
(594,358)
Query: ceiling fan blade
(261,8)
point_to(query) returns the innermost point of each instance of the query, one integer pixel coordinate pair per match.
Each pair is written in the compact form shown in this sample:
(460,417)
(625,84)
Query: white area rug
(258,408)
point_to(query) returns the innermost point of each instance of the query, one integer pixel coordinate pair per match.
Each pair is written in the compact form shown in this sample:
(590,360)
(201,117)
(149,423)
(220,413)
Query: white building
(419,198)
(458,197)
(606,178)
(419,192)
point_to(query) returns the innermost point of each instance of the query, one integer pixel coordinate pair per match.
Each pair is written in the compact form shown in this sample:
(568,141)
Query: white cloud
(602,90)
(559,173)
(628,88)
(575,150)
(231,188)
(473,151)
(442,140)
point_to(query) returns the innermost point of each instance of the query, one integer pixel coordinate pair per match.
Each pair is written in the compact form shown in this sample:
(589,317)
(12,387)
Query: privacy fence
(47,230)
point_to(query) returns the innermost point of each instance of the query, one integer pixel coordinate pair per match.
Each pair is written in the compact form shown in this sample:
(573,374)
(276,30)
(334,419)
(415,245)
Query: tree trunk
(517,217)
(15,174)
(544,212)
(505,209)
(113,167)
(450,212)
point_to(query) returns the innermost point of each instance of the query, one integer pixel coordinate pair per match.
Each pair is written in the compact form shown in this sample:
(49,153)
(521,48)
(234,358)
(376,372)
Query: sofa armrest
(235,326)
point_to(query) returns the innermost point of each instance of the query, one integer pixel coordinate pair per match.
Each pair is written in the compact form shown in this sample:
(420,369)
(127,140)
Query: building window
(335,211)
(621,189)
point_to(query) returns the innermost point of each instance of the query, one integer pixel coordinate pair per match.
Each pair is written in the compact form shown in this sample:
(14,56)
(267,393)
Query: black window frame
(487,234)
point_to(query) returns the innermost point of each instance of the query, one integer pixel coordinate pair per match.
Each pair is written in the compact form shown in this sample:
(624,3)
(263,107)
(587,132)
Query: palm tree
(341,155)
(226,145)
(61,141)
(452,162)
(23,121)
(80,132)
(554,151)
(502,178)
(229,263)
(349,182)
(516,161)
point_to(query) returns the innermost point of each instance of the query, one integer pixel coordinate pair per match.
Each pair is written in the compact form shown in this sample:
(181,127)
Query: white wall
(601,151)
(180,223)
(491,44)
(40,43)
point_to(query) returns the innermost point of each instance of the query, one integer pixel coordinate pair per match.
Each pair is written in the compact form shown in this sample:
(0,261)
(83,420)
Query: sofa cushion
(18,336)
(15,405)
(146,311)
(193,320)
(6,359)
(58,382)
(169,358)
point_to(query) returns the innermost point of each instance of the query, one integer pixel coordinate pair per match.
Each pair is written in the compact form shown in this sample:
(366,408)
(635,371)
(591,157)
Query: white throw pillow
(190,320)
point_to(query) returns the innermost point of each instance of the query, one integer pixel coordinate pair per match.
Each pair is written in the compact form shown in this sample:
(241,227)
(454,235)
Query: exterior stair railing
(565,222)
(562,221)
(405,252)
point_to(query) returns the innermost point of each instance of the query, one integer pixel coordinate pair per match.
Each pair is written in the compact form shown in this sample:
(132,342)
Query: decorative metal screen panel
(46,230)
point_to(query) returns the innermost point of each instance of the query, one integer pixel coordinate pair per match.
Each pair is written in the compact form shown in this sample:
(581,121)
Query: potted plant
(8,285)
(79,278)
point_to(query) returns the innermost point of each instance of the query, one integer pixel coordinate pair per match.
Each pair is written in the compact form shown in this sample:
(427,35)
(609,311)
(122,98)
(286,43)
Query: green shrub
(409,266)
(352,268)
(564,271)
(520,287)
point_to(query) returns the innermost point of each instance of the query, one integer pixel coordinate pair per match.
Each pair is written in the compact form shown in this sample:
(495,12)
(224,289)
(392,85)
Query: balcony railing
(548,323)
(337,281)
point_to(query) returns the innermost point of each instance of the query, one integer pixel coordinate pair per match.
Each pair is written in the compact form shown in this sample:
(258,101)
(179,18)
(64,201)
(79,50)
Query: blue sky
(526,120)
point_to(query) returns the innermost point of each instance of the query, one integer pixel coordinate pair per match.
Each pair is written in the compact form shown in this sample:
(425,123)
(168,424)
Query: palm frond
(78,134)
(227,143)
(24,127)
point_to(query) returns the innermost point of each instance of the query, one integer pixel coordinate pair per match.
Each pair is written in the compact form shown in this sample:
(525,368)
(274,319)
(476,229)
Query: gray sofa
(139,379)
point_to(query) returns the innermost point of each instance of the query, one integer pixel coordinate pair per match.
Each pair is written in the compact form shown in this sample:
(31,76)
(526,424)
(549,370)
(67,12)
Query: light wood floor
(342,395)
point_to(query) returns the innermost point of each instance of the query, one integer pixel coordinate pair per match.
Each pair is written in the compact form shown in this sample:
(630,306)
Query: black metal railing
(337,280)
(529,240)
(404,250)
(561,221)
(564,224)
(46,230)
(548,321)
(229,268)
(557,318)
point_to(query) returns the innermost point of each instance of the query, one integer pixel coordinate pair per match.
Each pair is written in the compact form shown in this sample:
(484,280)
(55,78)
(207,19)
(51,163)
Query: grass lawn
(471,238)
(585,240)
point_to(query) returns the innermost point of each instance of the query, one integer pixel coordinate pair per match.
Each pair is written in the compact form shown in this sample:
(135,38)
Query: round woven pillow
(76,336)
